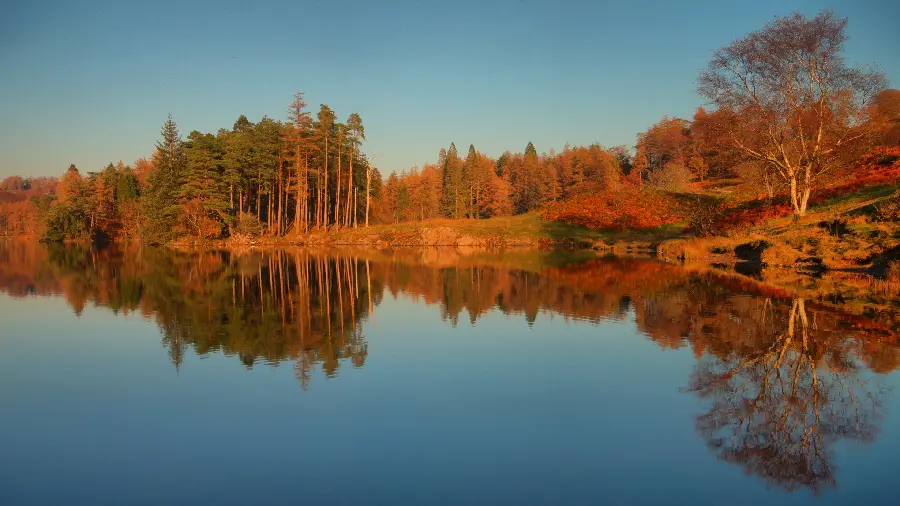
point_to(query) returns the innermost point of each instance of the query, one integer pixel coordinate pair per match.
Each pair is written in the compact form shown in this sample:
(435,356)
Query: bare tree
(795,105)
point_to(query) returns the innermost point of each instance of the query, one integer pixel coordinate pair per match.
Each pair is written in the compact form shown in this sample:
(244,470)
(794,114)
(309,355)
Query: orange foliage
(879,167)
(627,208)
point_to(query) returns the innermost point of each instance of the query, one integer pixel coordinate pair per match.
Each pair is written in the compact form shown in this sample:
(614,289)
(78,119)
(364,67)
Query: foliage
(248,225)
(889,209)
(800,125)
(702,214)
(673,176)
(622,209)
(164,184)
(66,222)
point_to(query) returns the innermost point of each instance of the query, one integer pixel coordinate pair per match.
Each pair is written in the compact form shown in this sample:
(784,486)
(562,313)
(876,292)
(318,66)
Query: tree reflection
(782,378)
(779,403)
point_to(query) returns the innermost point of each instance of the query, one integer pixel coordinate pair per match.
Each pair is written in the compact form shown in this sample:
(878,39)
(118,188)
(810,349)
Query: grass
(838,232)
(524,230)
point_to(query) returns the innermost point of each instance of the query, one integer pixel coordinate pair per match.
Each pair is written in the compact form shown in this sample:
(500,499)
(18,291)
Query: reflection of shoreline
(780,376)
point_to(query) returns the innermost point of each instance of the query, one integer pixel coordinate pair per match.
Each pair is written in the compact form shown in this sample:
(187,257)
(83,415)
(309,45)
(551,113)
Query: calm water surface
(431,377)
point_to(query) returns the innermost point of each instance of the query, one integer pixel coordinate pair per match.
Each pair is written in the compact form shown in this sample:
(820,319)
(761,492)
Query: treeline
(477,186)
(264,178)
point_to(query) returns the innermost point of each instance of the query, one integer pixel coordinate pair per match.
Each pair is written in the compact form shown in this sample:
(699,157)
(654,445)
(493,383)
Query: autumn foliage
(879,167)
(626,208)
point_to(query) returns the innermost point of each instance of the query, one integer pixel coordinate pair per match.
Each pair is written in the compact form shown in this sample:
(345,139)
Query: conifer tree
(357,135)
(451,201)
(204,183)
(470,182)
(164,185)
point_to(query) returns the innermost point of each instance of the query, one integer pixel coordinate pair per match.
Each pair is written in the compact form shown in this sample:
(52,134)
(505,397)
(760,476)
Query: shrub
(622,209)
(888,209)
(779,254)
(248,225)
(673,176)
(702,213)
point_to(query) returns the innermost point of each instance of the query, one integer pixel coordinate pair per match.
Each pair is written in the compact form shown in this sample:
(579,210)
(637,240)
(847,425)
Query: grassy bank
(840,233)
(526,230)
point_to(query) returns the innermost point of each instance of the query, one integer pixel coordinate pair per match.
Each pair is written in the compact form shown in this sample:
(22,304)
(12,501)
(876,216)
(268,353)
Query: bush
(248,225)
(703,213)
(888,210)
(673,177)
(615,210)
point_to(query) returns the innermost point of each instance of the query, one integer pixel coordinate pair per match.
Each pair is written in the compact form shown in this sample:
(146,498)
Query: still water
(432,377)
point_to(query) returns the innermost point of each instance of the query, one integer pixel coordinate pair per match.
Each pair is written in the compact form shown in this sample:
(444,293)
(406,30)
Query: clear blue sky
(92,82)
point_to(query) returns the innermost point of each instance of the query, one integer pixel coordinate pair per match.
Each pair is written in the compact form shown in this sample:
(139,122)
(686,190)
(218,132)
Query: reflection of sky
(93,412)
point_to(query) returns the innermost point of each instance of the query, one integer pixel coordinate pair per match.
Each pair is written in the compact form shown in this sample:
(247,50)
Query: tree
(13,183)
(357,135)
(795,105)
(389,200)
(665,142)
(529,182)
(402,201)
(297,139)
(204,196)
(886,107)
(470,182)
(323,131)
(495,200)
(72,216)
(127,187)
(451,188)
(164,185)
(373,184)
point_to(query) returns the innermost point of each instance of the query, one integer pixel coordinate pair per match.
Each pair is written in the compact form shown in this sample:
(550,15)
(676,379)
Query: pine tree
(127,187)
(451,201)
(324,130)
(357,135)
(204,182)
(529,181)
(402,202)
(297,139)
(164,185)
(470,183)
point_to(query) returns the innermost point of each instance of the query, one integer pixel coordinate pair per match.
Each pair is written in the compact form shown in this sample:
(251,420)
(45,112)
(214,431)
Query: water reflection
(781,397)
(781,379)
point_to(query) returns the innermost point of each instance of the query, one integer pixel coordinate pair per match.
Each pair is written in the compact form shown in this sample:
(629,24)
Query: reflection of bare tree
(778,407)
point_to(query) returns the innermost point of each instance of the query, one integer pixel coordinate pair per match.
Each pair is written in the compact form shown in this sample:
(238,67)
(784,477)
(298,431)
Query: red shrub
(622,209)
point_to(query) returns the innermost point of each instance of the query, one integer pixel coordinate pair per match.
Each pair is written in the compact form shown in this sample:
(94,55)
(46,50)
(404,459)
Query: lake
(435,376)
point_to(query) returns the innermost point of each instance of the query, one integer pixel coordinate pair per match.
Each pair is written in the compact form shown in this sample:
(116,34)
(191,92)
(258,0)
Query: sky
(92,82)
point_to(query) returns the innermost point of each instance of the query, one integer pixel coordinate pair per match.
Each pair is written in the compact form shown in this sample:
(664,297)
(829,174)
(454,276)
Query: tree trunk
(318,197)
(325,191)
(368,186)
(337,195)
(796,200)
(301,201)
(350,213)
(280,200)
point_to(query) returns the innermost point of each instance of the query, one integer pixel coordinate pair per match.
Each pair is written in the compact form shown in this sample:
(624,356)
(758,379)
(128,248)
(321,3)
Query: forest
(788,125)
